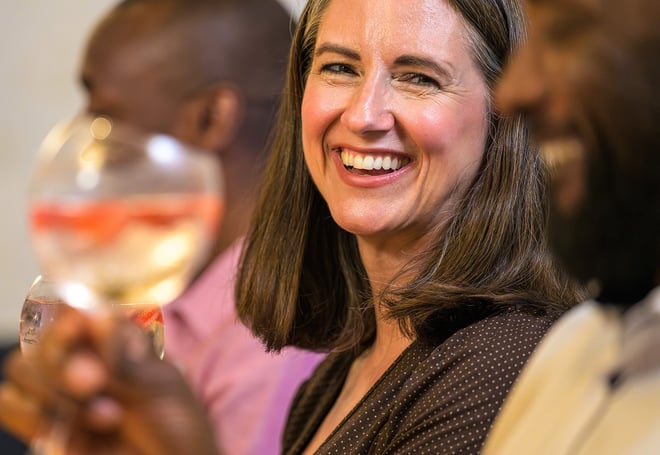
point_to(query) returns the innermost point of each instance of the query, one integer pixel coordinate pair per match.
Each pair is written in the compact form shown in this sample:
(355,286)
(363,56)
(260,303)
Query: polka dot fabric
(432,400)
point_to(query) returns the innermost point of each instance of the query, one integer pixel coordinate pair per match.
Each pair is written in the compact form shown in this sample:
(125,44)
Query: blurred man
(588,81)
(210,73)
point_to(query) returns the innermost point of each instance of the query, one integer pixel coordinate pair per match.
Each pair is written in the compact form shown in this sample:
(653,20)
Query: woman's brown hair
(301,280)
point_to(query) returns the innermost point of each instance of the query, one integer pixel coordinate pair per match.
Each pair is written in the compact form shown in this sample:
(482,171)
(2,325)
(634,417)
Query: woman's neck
(389,343)
(384,262)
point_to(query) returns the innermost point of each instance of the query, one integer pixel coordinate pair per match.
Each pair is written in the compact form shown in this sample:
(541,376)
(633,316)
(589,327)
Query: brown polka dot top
(432,400)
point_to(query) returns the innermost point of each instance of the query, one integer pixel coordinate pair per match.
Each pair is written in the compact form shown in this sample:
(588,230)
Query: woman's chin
(361,221)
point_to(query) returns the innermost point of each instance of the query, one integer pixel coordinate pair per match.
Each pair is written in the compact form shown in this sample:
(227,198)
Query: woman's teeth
(372,162)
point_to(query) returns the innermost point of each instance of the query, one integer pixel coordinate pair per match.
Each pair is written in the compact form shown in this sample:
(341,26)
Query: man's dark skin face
(125,72)
(566,79)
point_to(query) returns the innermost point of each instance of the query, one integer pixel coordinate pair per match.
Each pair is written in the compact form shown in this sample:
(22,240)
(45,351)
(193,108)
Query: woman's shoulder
(454,389)
(511,331)
(499,344)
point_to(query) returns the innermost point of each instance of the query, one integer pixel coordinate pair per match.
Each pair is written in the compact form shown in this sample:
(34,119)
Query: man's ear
(221,116)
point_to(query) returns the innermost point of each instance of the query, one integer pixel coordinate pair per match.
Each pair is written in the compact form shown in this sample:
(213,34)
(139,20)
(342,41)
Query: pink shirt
(246,391)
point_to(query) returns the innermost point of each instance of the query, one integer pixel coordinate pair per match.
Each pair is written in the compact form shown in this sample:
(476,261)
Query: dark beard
(612,237)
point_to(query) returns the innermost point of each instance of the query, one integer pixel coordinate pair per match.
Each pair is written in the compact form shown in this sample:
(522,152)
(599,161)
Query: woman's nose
(368,109)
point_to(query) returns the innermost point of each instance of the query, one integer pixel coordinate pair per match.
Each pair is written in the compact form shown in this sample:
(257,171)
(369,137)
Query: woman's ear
(220,117)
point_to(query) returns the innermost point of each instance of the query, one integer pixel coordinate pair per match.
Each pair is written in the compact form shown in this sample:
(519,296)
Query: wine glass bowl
(121,216)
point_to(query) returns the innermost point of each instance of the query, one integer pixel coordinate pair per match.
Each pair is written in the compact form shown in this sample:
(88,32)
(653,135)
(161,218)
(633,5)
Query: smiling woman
(401,227)
(374,92)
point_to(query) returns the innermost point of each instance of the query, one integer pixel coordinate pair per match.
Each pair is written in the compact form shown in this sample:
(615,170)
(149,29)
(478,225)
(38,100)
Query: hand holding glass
(43,305)
(121,217)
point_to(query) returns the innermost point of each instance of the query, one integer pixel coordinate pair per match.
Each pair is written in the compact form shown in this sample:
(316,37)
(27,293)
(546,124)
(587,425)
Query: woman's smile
(371,164)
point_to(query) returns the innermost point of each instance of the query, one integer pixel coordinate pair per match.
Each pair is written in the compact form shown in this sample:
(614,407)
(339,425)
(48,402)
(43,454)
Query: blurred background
(40,53)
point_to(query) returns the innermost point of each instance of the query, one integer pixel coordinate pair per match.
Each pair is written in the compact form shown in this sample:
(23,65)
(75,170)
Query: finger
(31,404)
(103,414)
(19,414)
(130,349)
(84,374)
(107,337)
(26,376)
(67,332)
(106,349)
(69,354)
(102,446)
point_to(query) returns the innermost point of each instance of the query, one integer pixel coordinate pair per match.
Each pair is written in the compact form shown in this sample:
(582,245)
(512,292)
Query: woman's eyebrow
(336,49)
(414,60)
(403,60)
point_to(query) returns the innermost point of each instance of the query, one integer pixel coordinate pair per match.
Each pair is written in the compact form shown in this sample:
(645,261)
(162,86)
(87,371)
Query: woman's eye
(419,79)
(337,68)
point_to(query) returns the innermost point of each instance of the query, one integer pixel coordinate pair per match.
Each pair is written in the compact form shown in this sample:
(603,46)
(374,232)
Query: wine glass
(119,216)
(42,305)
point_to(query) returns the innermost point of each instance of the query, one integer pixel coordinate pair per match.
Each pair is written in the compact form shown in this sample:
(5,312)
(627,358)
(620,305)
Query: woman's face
(394,115)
